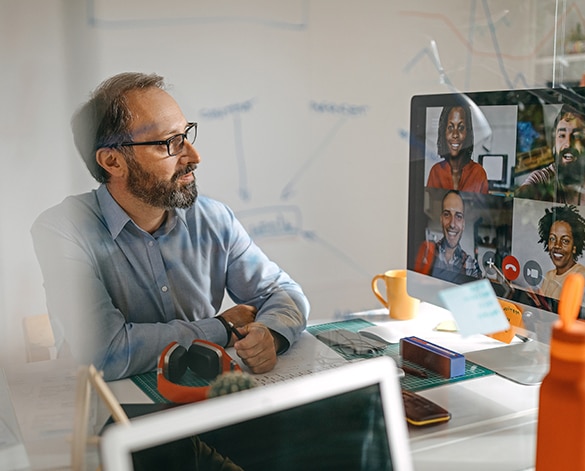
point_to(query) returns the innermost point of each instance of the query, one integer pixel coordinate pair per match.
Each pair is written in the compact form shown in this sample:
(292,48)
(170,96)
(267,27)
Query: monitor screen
(497,191)
(495,166)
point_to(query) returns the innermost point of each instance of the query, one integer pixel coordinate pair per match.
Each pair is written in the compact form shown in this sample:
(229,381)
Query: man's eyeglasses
(174,143)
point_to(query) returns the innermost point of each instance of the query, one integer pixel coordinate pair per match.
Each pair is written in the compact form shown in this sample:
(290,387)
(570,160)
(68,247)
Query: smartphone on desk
(352,342)
(137,410)
(422,411)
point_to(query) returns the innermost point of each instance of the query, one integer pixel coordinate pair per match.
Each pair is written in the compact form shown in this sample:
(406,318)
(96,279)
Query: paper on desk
(475,308)
(308,355)
(43,394)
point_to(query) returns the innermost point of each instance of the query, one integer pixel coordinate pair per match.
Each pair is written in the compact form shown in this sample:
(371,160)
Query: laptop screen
(327,421)
(347,431)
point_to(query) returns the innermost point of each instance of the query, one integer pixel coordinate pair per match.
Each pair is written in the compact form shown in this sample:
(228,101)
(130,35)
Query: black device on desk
(422,411)
(500,229)
(134,410)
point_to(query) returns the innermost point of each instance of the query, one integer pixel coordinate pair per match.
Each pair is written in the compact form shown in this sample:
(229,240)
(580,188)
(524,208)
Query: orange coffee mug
(400,305)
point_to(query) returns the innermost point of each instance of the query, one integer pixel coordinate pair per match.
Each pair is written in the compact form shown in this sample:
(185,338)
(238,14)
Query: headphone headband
(204,358)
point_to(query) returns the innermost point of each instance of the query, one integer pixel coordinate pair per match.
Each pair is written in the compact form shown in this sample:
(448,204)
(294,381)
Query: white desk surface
(493,424)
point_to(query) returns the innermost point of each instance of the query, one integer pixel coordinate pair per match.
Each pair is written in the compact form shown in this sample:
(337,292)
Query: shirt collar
(443,248)
(116,218)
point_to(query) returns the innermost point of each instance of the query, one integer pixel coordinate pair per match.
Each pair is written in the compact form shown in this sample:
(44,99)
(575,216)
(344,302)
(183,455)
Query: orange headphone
(206,359)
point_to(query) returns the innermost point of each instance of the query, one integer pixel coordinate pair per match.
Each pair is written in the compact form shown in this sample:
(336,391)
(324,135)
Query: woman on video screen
(562,232)
(455,145)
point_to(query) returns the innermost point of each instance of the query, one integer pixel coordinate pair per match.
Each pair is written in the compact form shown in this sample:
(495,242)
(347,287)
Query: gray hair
(104,120)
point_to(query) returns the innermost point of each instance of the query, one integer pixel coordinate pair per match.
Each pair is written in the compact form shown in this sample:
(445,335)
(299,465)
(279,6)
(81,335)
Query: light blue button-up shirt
(118,295)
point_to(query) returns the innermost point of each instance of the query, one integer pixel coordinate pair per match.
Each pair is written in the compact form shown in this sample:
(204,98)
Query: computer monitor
(496,169)
(505,215)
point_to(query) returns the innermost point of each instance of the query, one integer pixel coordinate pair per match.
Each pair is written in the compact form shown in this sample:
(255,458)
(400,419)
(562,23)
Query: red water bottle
(561,410)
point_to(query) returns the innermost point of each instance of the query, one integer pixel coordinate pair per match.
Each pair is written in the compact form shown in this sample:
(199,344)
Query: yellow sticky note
(514,316)
(446,326)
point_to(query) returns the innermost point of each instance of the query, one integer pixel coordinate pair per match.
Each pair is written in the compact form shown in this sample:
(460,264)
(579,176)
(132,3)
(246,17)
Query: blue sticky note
(475,308)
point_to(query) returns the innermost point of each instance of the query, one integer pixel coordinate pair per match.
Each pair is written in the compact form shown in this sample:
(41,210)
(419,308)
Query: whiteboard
(303,112)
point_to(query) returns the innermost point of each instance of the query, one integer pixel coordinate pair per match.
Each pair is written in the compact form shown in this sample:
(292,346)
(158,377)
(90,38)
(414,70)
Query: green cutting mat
(409,382)
(147,381)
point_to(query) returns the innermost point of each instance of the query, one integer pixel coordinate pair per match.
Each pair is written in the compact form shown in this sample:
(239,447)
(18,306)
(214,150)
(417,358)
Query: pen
(414,371)
(235,331)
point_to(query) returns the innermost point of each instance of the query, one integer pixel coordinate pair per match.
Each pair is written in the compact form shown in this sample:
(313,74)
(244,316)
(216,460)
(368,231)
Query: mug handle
(375,289)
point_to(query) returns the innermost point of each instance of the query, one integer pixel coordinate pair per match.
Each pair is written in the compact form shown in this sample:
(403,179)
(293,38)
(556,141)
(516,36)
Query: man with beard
(143,261)
(562,232)
(450,261)
(563,180)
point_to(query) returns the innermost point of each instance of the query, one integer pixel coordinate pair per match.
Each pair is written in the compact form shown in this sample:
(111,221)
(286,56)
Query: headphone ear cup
(177,364)
(205,360)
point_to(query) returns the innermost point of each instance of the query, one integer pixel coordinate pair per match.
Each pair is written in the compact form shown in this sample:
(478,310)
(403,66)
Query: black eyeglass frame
(168,141)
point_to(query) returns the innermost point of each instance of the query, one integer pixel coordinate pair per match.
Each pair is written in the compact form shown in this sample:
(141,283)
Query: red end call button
(510,267)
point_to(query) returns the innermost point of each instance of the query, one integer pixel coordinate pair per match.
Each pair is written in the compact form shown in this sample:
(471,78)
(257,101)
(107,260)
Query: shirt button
(150,243)
(164,289)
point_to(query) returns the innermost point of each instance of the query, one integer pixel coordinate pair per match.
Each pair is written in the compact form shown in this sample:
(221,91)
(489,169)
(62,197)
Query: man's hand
(240,314)
(258,348)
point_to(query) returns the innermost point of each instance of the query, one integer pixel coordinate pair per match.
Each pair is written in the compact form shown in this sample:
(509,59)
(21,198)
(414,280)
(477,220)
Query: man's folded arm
(95,331)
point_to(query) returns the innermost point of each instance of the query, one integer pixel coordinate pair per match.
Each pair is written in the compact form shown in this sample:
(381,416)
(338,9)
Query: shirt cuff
(212,330)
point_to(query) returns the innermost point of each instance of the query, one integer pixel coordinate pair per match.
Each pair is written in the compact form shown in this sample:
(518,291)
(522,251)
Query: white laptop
(350,417)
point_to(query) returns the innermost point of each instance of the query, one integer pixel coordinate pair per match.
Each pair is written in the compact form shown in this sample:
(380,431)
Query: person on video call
(562,232)
(445,258)
(455,146)
(562,181)
(143,260)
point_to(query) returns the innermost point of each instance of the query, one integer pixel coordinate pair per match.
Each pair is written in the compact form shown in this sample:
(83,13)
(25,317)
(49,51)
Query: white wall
(303,111)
